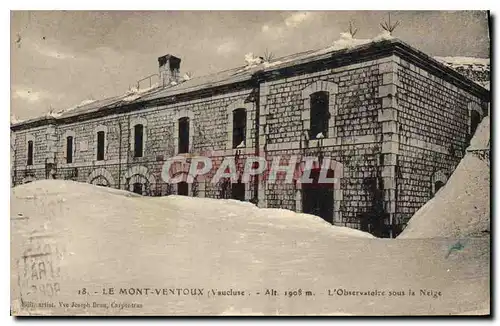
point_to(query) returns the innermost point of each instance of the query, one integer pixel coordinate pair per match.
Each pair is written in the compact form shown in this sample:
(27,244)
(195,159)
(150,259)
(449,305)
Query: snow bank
(99,238)
(481,139)
(462,207)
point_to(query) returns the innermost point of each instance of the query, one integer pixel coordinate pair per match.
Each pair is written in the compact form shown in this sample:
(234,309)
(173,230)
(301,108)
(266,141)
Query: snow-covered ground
(102,238)
(461,208)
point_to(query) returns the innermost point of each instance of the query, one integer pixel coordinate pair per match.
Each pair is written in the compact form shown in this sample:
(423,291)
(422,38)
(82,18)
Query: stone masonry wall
(354,137)
(394,131)
(433,125)
(210,134)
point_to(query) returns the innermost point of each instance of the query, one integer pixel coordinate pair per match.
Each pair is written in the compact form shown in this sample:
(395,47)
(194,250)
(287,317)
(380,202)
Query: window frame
(183,137)
(242,129)
(319,119)
(183,113)
(101,157)
(137,142)
(70,141)
(320,86)
(30,152)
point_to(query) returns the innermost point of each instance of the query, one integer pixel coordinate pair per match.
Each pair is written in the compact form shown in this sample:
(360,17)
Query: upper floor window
(138,140)
(239,127)
(184,135)
(320,115)
(30,153)
(69,149)
(100,145)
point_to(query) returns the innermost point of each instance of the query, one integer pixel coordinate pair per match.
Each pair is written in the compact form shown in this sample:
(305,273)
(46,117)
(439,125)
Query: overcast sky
(59,59)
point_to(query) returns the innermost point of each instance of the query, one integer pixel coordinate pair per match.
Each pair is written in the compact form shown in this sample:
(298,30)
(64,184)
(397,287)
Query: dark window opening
(137,188)
(239,127)
(317,197)
(320,114)
(183,189)
(184,135)
(138,141)
(69,149)
(238,191)
(100,145)
(438,185)
(475,119)
(30,152)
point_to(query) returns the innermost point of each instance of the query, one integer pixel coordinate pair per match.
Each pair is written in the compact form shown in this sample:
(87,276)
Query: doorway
(317,198)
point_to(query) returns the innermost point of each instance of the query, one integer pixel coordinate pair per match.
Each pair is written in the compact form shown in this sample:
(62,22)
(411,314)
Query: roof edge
(340,57)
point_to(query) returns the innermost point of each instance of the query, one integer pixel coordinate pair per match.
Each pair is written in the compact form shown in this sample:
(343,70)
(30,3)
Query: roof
(344,56)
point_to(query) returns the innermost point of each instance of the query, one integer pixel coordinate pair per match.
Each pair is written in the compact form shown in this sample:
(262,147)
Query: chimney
(169,69)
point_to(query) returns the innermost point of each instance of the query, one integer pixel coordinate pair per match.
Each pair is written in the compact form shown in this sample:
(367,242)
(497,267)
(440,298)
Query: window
(183,189)
(138,140)
(438,185)
(238,191)
(239,127)
(184,135)
(137,188)
(475,119)
(69,149)
(319,114)
(100,145)
(30,152)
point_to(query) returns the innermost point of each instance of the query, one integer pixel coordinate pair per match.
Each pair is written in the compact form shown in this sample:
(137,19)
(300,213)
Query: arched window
(100,145)
(138,140)
(137,188)
(30,153)
(184,135)
(438,180)
(183,188)
(239,127)
(69,149)
(320,114)
(438,185)
(475,119)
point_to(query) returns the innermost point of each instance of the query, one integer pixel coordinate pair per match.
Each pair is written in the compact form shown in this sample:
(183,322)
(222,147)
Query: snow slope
(462,207)
(99,238)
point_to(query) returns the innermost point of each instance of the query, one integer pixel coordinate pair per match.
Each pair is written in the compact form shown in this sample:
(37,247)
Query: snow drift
(72,242)
(462,207)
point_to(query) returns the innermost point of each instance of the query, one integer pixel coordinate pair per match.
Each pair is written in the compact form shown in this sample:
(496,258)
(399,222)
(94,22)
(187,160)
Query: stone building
(394,121)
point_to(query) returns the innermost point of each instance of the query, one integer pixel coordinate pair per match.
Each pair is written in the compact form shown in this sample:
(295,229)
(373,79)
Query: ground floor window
(438,185)
(238,191)
(137,188)
(183,189)
(317,198)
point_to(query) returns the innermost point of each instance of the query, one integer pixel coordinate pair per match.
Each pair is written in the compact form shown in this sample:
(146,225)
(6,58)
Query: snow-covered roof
(345,44)
(479,64)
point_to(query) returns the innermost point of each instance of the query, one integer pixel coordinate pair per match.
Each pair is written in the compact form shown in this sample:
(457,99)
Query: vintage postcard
(250,163)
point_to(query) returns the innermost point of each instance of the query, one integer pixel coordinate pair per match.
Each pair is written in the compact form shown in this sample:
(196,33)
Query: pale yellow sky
(59,59)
